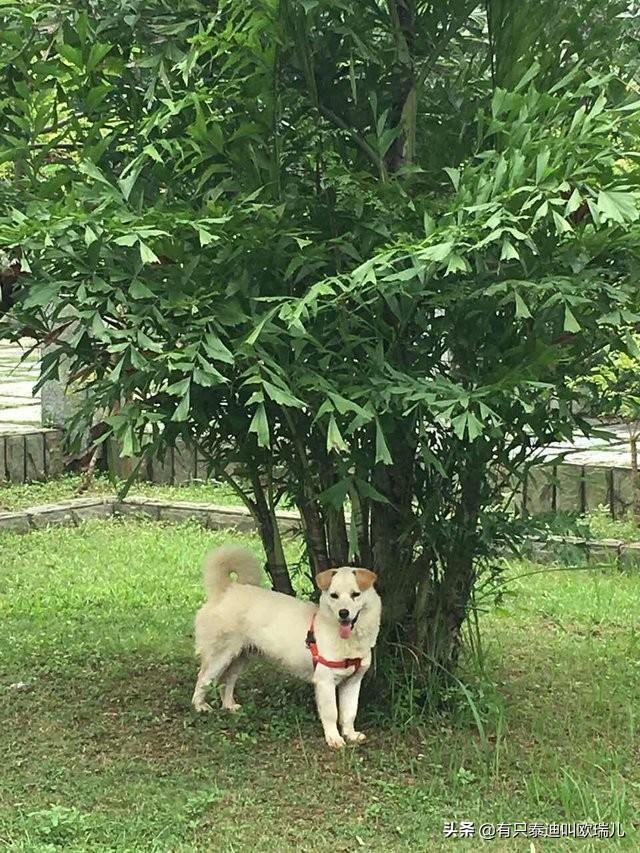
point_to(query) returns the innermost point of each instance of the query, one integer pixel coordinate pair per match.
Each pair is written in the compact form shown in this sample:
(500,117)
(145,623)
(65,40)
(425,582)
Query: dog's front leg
(348,694)
(328,711)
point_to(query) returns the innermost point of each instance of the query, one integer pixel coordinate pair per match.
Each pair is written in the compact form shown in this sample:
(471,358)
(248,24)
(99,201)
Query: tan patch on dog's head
(323,579)
(364,578)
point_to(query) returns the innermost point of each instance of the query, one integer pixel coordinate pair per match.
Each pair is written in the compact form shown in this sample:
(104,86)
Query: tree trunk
(393,525)
(360,509)
(306,498)
(270,535)
(336,528)
(443,602)
(404,110)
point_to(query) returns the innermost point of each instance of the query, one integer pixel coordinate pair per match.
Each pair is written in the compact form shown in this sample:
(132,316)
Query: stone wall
(29,454)
(576,488)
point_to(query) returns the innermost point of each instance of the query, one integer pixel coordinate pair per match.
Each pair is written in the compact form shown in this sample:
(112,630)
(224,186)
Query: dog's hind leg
(212,667)
(228,679)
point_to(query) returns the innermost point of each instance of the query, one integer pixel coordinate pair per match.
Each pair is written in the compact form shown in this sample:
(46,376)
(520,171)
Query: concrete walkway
(597,452)
(20,410)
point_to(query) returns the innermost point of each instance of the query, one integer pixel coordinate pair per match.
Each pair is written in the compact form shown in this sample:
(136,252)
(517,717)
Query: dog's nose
(343,614)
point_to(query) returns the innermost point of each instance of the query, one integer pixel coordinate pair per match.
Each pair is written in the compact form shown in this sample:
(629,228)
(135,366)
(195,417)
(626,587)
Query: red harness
(317,658)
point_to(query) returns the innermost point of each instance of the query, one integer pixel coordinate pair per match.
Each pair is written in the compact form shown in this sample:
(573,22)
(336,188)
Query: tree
(359,250)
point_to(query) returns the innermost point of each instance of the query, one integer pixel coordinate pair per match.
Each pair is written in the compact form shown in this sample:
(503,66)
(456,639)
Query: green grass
(15,497)
(597,524)
(101,752)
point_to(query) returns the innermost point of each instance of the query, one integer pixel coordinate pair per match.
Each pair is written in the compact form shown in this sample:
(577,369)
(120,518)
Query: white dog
(329,645)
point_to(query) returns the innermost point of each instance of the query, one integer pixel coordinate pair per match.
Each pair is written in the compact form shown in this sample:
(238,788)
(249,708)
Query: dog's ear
(323,579)
(365,578)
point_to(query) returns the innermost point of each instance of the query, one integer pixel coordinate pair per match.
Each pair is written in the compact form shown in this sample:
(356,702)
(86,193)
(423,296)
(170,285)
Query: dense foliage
(360,250)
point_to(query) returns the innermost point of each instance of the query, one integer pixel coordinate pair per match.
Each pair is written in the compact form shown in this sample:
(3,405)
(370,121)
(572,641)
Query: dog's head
(345,593)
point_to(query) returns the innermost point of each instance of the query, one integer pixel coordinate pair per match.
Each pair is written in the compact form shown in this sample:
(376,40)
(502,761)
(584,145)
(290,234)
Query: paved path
(19,371)
(597,452)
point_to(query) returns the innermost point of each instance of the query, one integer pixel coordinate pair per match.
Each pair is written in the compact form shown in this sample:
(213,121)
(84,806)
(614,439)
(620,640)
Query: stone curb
(219,517)
(70,513)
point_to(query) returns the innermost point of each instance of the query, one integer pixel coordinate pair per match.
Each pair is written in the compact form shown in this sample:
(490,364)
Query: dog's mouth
(346,627)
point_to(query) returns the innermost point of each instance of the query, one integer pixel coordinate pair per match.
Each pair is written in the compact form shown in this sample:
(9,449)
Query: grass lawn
(99,749)
(16,497)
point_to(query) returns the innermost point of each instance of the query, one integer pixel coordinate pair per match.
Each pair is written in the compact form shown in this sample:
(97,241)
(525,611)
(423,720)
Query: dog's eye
(334,595)
(355,594)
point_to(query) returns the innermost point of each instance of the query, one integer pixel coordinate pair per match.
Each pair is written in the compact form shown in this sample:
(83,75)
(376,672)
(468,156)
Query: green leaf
(365,273)
(71,54)
(98,328)
(96,96)
(127,240)
(126,183)
(475,427)
(182,411)
(335,441)
(177,389)
(97,54)
(570,322)
(429,224)
(456,264)
(632,107)
(522,311)
(281,397)
(336,495)
(208,378)
(87,167)
(528,76)
(260,426)
(575,200)
(617,206)
(459,425)
(147,255)
(216,349)
(562,226)
(352,80)
(454,175)
(541,212)
(41,294)
(368,491)
(255,334)
(205,236)
(438,252)
(139,290)
(343,406)
(128,443)
(382,451)
(509,251)
(632,346)
(542,161)
(352,538)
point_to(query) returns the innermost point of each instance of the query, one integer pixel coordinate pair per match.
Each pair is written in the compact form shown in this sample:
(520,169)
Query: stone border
(72,512)
(625,555)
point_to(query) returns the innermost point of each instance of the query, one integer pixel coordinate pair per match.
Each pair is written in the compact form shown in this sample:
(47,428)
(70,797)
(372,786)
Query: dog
(329,645)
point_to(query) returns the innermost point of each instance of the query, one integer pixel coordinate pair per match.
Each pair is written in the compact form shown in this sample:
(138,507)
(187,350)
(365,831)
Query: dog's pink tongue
(345,630)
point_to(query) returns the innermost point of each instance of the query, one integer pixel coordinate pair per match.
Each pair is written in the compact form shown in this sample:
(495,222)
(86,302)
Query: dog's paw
(355,737)
(202,707)
(232,707)
(335,741)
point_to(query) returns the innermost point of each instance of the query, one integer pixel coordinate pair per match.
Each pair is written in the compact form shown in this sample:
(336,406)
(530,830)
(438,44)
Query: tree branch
(360,142)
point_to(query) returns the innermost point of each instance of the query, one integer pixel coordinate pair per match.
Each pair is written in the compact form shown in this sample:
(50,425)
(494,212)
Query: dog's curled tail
(222,562)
